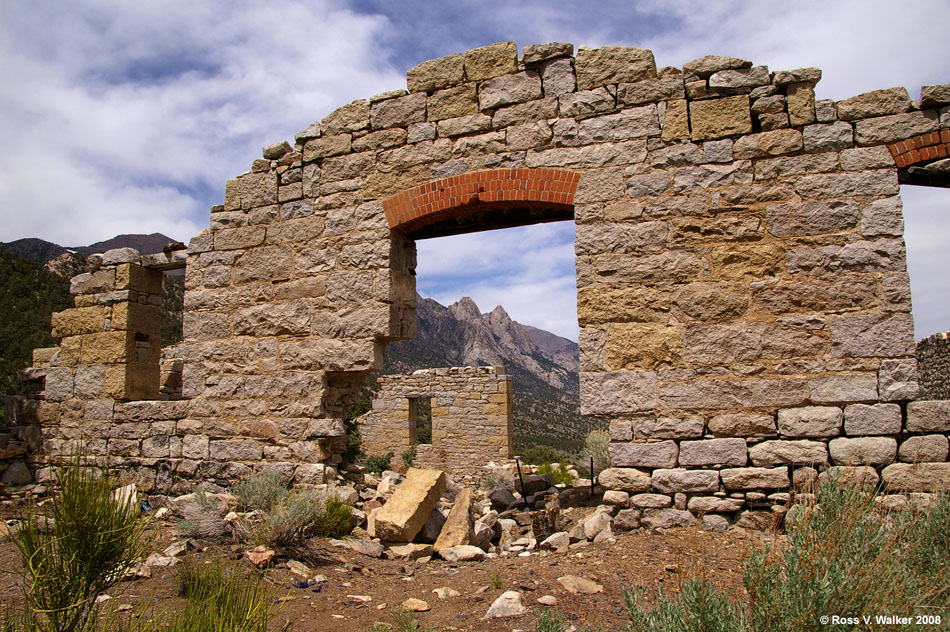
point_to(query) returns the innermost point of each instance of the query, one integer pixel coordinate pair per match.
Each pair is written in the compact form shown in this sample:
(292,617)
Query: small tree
(597,445)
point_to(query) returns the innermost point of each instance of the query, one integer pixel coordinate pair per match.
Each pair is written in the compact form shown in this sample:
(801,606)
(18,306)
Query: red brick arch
(921,148)
(463,200)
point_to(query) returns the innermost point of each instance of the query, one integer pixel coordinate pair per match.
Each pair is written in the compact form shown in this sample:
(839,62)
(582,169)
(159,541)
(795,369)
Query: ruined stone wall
(933,362)
(471,417)
(742,287)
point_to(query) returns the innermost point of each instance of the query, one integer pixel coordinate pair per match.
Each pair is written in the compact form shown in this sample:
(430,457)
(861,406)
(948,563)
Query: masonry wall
(933,362)
(471,417)
(742,287)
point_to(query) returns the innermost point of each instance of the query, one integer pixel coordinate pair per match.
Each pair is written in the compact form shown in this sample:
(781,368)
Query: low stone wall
(471,417)
(933,366)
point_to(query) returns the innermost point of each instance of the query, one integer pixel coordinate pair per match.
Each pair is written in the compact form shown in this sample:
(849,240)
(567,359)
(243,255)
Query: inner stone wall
(471,418)
(933,360)
(742,287)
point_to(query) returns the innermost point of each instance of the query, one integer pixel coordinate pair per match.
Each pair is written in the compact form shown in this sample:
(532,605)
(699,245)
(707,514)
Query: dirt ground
(362,590)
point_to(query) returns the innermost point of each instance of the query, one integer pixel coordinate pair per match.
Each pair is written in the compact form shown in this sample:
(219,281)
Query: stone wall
(471,417)
(933,362)
(742,287)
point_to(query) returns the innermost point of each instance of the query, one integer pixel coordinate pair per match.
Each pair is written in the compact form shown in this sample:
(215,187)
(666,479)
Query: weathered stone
(462,553)
(852,476)
(756,520)
(920,477)
(625,125)
(875,103)
(862,158)
(776,143)
(724,452)
(556,542)
(618,392)
(352,117)
(685,481)
(585,103)
(741,424)
(400,112)
(812,218)
(801,103)
(676,121)
(627,519)
(706,176)
(873,419)
(928,416)
(872,336)
(935,95)
(747,342)
(642,346)
(863,450)
(436,74)
(841,185)
(452,102)
(464,125)
(710,64)
(889,129)
(491,61)
(651,501)
(711,504)
(828,137)
(880,255)
(406,512)
(457,529)
(624,479)
(799,75)
(810,421)
(596,523)
(715,118)
(616,498)
(557,77)
(508,604)
(639,454)
(780,452)
(741,78)
(667,428)
(883,217)
(509,89)
(365,547)
(843,388)
(932,448)
(666,518)
(535,53)
(648,184)
(276,150)
(651,90)
(612,64)
(753,478)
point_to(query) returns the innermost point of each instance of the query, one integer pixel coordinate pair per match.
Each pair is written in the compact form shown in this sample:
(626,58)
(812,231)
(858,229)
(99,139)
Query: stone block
(491,61)
(800,99)
(810,421)
(676,121)
(457,529)
(709,302)
(929,416)
(660,454)
(557,77)
(741,424)
(399,112)
(624,479)
(236,450)
(509,89)
(715,118)
(708,65)
(853,184)
(327,146)
(108,347)
(721,452)
(352,117)
(651,501)
(833,389)
(872,419)
(872,336)
(80,320)
(129,276)
(852,476)
(137,317)
(828,137)
(613,64)
(436,74)
(875,103)
(642,346)
(920,477)
(781,452)
(666,518)
(935,95)
(825,111)
(890,129)
(675,481)
(651,90)
(799,75)
(407,510)
(712,504)
(698,178)
(812,218)
(862,158)
(453,102)
(469,124)
(92,282)
(667,428)
(621,429)
(732,79)
(624,125)
(766,144)
(536,53)
(616,498)
(754,478)
(883,218)
(863,450)
(618,392)
(926,448)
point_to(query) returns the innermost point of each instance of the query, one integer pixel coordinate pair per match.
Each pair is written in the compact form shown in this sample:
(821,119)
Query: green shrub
(378,464)
(408,456)
(561,473)
(547,620)
(597,445)
(82,547)
(300,516)
(202,518)
(541,454)
(261,491)
(697,608)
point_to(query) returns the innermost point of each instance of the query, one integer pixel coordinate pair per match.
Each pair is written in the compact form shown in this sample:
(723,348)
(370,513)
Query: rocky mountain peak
(466,310)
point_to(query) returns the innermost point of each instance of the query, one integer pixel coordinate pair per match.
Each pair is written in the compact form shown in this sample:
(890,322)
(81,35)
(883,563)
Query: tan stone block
(453,102)
(142,380)
(613,64)
(801,104)
(84,300)
(379,185)
(351,117)
(643,346)
(597,304)
(715,118)
(761,260)
(43,355)
(457,529)
(406,512)
(77,321)
(129,276)
(775,143)
(137,317)
(327,146)
(676,121)
(114,381)
(107,347)
(70,351)
(490,61)
(435,74)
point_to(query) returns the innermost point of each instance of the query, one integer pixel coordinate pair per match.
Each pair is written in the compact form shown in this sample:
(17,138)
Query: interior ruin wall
(743,296)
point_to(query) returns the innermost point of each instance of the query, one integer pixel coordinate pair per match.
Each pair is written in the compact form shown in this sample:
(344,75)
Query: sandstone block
(666,518)
(642,346)
(641,454)
(93,282)
(852,475)
(873,419)
(810,421)
(676,121)
(616,498)
(889,129)
(706,66)
(618,392)
(872,336)
(812,218)
(491,61)
(601,155)
(780,452)
(799,75)
(535,53)
(509,89)
(327,146)
(667,428)
(712,504)
(878,182)
(921,477)
(875,103)
(925,448)
(399,112)
(651,501)
(754,478)
(741,424)
(648,184)
(833,389)
(236,450)
(801,103)
(715,118)
(775,143)
(723,452)
(557,77)
(732,79)
(624,479)
(406,512)
(586,103)
(624,125)
(685,481)
(706,176)
(79,320)
(883,217)
(463,553)
(934,96)
(863,450)
(613,64)
(457,529)
(436,74)
(898,379)
(453,102)
(929,416)
(709,302)
(464,125)
(828,137)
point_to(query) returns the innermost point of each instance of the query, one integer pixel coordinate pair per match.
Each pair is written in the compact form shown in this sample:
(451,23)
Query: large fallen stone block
(403,516)
(457,529)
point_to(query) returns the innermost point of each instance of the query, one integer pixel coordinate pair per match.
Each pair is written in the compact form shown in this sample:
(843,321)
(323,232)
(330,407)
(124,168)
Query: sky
(129,117)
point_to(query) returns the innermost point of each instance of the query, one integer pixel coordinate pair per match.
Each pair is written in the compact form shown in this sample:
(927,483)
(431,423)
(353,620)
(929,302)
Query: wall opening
(420,420)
